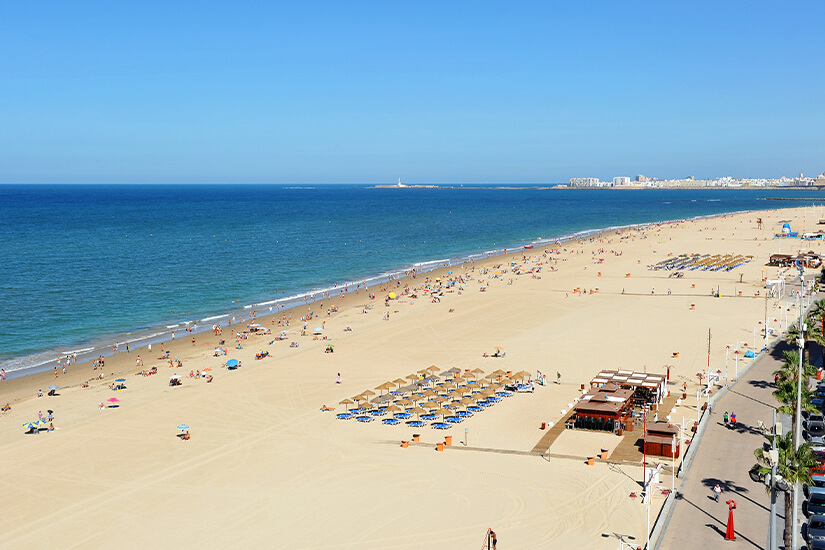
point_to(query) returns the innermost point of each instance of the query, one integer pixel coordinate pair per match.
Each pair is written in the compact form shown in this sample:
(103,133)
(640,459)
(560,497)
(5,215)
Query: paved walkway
(724,457)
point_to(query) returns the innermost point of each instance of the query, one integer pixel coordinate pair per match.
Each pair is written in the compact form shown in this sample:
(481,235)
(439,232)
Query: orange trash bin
(448,440)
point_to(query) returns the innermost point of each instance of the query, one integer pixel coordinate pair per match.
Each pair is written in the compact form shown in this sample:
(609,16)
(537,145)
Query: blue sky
(425,91)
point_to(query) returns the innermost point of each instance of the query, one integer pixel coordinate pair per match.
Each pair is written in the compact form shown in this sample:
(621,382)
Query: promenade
(725,455)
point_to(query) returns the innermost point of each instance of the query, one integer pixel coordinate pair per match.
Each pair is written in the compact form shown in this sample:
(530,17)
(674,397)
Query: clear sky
(441,91)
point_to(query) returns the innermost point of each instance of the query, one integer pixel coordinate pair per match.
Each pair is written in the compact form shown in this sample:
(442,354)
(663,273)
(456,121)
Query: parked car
(815,429)
(816,501)
(816,528)
(816,417)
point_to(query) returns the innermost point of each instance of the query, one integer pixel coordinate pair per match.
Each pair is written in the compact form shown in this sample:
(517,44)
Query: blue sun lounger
(391,421)
(344,416)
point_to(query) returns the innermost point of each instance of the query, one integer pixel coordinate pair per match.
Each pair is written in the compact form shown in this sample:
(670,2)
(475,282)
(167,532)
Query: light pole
(727,354)
(774,459)
(798,431)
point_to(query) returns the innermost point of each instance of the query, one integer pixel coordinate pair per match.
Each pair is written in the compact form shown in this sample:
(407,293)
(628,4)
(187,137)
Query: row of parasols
(451,396)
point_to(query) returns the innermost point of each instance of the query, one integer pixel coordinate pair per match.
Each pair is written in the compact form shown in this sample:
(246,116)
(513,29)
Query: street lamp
(798,433)
(773,481)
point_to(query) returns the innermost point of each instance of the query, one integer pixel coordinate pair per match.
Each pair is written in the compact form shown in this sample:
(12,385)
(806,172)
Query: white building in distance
(621,180)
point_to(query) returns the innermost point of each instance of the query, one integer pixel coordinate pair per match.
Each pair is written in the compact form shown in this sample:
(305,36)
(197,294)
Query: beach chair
(416,423)
(344,416)
(391,421)
(364,418)
(440,425)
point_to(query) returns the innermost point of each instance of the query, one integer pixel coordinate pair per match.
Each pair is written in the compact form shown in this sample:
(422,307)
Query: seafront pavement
(724,457)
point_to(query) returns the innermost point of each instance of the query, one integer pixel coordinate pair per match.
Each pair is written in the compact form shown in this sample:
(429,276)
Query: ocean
(89,265)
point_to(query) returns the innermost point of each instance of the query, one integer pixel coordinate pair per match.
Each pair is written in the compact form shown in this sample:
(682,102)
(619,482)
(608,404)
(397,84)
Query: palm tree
(790,367)
(818,312)
(786,386)
(785,393)
(794,466)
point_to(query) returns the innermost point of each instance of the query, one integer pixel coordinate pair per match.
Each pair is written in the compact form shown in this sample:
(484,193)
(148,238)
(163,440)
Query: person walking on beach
(338,378)
(732,420)
(725,419)
(2,375)
(716,492)
(558,377)
(493,540)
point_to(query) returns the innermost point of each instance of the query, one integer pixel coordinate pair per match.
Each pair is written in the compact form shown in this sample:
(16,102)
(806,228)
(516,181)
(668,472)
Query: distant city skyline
(324,92)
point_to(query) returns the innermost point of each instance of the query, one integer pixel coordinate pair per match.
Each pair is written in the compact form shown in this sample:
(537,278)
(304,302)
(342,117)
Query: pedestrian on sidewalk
(733,420)
(716,492)
(725,418)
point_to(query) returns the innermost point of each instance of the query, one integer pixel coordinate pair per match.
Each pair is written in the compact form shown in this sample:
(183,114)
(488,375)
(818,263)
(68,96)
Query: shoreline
(96,346)
(590,306)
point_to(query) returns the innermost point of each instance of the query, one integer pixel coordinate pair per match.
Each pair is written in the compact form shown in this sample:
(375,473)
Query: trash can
(591,460)
(405,444)
(448,440)
(439,447)
(416,437)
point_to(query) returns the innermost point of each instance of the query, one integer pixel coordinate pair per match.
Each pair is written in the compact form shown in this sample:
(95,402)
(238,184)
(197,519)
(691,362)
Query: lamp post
(798,432)
(727,354)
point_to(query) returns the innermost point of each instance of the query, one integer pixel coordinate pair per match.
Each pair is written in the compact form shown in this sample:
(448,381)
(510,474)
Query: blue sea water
(87,265)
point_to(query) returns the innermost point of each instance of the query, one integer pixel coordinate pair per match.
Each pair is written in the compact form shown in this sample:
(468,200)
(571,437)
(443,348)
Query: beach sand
(265,467)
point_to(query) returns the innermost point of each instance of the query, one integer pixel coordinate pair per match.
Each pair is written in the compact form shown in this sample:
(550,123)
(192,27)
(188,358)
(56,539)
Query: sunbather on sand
(324,408)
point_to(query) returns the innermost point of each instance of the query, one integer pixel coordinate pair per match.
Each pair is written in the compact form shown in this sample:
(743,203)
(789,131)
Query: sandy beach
(264,466)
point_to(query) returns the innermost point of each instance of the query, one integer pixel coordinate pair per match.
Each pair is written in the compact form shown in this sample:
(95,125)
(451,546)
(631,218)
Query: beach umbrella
(433,368)
(359,398)
(346,402)
(459,380)
(183,427)
(31,425)
(393,409)
(399,381)
(430,405)
(206,370)
(425,372)
(120,380)
(468,402)
(499,348)
(499,372)
(477,371)
(175,377)
(443,412)
(419,411)
(284,332)
(412,377)
(429,393)
(448,386)
(53,387)
(384,386)
(366,393)
(440,399)
(404,402)
(391,295)
(473,385)
(113,400)
(462,390)
(232,363)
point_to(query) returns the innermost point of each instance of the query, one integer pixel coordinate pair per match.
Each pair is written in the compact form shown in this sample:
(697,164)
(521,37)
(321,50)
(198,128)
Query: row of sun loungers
(703,262)
(458,412)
